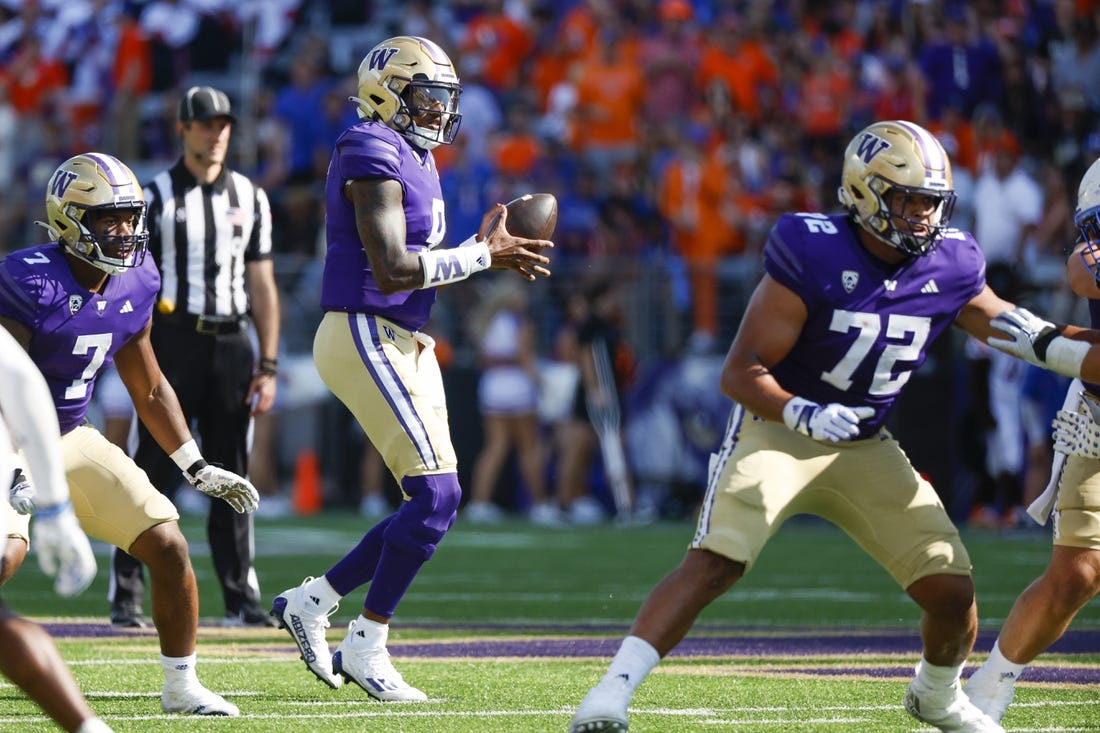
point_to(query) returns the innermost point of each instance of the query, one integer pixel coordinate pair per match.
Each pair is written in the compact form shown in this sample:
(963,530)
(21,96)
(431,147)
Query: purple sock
(357,567)
(390,555)
(395,573)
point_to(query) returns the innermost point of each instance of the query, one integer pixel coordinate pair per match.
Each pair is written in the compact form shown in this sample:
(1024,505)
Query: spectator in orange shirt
(517,150)
(580,26)
(502,44)
(131,79)
(699,197)
(610,93)
(825,90)
(736,64)
(32,79)
(956,133)
(823,101)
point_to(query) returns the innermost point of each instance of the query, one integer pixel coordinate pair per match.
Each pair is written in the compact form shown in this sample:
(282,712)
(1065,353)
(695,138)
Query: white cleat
(194,699)
(306,621)
(948,709)
(603,708)
(370,668)
(990,694)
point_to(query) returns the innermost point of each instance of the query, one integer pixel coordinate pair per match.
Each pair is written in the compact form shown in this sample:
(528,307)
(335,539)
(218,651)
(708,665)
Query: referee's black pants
(210,374)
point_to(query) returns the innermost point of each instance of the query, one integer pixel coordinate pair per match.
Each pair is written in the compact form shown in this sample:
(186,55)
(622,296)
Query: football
(531,216)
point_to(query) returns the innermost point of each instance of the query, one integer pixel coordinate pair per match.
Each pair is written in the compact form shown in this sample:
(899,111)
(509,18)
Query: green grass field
(507,627)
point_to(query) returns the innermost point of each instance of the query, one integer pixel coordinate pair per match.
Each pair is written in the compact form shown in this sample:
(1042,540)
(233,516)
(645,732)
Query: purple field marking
(718,642)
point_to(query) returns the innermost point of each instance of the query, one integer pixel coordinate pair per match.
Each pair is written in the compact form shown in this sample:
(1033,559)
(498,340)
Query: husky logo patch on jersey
(871,145)
(76,302)
(849,279)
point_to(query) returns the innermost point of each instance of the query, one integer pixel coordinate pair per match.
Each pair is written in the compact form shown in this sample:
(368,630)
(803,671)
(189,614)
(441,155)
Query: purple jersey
(74,332)
(869,323)
(372,150)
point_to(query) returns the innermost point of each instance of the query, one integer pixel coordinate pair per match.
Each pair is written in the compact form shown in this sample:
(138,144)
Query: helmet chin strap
(54,234)
(361,108)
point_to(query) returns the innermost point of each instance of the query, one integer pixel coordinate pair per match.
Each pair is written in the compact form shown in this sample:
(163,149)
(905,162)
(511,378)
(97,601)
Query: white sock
(937,677)
(371,633)
(93,725)
(179,670)
(1001,668)
(321,590)
(635,659)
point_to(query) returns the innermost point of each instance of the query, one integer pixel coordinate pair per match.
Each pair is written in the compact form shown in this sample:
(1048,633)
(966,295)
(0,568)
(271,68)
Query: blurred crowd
(673,132)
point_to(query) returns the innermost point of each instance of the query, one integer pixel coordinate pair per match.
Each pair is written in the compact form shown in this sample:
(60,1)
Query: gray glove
(22,493)
(1037,341)
(221,484)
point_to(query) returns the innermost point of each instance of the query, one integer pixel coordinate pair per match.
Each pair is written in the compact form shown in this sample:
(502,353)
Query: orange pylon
(307,498)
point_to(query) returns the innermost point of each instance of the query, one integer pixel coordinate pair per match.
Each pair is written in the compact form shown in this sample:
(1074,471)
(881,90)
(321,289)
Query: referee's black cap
(205,103)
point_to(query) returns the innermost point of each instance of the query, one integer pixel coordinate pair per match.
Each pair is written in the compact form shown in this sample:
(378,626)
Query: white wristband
(1065,356)
(442,266)
(186,455)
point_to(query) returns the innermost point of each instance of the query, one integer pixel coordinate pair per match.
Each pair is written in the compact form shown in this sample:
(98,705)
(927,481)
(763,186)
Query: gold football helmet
(1087,217)
(91,182)
(409,84)
(890,158)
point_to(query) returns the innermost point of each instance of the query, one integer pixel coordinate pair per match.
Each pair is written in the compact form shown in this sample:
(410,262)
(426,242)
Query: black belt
(206,325)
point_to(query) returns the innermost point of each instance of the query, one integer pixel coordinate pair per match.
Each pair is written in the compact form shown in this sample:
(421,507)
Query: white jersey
(30,424)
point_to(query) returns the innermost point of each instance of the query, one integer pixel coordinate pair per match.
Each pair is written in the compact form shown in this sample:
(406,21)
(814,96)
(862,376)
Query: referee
(210,233)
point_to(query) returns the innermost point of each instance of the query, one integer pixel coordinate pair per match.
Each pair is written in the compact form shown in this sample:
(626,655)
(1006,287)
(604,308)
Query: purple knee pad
(422,521)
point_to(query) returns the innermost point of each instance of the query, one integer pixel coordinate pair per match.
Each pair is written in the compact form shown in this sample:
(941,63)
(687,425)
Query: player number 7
(98,344)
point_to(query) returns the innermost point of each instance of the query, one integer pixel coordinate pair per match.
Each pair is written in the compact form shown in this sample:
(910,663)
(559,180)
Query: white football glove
(222,484)
(63,550)
(1038,341)
(22,493)
(1076,435)
(829,423)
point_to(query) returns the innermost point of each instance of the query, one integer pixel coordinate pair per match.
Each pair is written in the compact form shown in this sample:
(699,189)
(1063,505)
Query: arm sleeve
(31,417)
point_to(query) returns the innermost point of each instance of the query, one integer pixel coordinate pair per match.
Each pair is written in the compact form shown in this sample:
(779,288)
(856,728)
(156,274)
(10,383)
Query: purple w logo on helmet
(870,146)
(380,57)
(61,182)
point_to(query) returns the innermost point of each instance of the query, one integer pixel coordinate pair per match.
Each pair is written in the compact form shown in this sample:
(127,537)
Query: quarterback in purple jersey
(384,224)
(76,304)
(843,315)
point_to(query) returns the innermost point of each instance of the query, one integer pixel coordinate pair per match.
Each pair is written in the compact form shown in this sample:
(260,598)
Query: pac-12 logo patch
(76,302)
(849,279)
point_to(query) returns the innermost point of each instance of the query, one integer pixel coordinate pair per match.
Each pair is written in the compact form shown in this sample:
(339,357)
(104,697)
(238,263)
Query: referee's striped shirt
(201,236)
